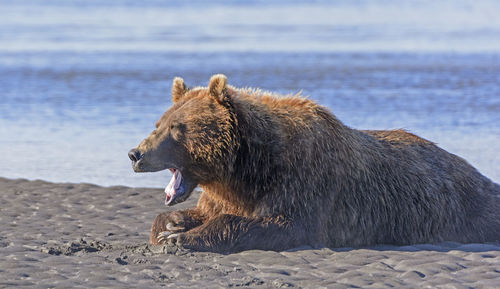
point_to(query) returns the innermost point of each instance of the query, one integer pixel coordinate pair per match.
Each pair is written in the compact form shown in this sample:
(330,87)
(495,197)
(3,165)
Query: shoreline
(84,235)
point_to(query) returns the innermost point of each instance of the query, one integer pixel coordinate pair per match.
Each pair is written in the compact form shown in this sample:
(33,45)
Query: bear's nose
(134,155)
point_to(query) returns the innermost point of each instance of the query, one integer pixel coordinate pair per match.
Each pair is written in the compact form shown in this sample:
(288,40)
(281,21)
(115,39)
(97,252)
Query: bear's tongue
(175,188)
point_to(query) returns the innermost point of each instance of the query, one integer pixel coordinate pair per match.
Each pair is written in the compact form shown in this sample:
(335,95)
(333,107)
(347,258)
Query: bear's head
(195,138)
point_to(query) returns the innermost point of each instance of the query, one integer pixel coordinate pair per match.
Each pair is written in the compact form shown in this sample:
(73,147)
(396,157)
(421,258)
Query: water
(83,82)
(194,26)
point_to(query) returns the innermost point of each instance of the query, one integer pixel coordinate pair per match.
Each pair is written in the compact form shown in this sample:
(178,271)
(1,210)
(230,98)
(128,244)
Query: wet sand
(82,235)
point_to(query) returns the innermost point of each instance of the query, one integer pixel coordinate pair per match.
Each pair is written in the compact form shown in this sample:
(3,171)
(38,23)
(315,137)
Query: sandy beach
(61,235)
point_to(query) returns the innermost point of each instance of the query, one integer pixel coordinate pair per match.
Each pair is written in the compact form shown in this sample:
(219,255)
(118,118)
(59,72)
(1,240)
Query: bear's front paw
(169,237)
(183,240)
(172,238)
(165,225)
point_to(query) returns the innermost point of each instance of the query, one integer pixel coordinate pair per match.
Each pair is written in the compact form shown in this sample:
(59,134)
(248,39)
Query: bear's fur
(279,172)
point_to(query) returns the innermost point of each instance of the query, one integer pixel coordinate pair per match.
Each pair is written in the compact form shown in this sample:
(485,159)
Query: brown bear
(279,172)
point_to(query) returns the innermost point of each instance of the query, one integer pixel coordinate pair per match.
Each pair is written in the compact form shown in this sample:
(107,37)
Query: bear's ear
(218,88)
(178,89)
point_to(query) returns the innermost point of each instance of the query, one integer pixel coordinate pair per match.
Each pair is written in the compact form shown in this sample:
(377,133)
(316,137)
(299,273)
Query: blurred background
(82,82)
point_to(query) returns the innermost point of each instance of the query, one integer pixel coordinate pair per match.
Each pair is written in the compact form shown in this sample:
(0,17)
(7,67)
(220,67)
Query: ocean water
(82,82)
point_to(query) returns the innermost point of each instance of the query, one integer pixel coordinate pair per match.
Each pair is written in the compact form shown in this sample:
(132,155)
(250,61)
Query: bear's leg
(173,222)
(229,233)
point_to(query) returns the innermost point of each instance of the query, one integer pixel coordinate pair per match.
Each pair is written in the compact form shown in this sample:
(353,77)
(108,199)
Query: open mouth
(175,188)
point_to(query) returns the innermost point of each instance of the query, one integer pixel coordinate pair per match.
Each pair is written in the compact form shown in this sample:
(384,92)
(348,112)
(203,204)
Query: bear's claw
(173,228)
(163,236)
(174,239)
(171,234)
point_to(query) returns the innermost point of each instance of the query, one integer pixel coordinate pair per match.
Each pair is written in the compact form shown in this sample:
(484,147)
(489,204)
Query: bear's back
(397,137)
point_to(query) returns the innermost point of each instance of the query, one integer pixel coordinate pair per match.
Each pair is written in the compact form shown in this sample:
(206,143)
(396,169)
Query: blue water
(82,82)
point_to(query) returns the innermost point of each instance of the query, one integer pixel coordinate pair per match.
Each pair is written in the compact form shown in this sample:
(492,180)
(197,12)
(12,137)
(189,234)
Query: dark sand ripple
(82,235)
